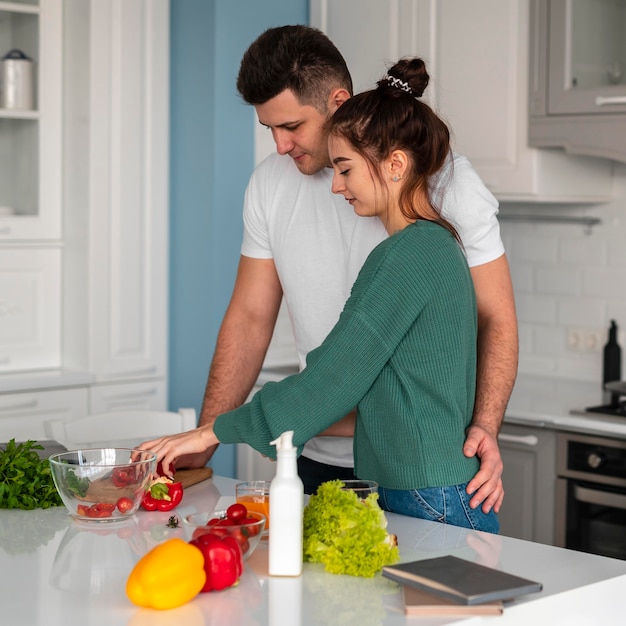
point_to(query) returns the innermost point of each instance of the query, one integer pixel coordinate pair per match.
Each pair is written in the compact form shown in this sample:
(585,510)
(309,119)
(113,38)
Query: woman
(404,348)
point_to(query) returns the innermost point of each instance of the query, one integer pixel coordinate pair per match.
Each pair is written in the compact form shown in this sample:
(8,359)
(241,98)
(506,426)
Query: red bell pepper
(223,560)
(162,495)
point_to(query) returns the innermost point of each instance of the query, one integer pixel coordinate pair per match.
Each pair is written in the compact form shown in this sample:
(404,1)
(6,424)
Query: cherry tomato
(252,530)
(122,476)
(244,543)
(237,512)
(198,532)
(124,504)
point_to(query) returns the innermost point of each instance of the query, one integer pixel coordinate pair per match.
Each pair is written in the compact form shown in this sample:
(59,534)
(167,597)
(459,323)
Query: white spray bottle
(286,506)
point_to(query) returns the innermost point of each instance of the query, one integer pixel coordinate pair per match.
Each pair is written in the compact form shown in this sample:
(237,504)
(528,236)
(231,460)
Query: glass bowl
(102,484)
(247,534)
(362,488)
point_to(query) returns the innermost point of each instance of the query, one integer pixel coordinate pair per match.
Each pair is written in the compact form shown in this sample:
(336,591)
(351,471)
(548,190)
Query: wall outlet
(594,340)
(585,340)
(575,339)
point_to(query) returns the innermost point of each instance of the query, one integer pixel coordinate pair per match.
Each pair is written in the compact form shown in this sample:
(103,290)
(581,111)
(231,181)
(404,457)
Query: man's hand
(487,484)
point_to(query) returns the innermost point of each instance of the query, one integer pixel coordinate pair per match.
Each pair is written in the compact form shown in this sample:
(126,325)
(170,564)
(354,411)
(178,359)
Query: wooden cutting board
(190,477)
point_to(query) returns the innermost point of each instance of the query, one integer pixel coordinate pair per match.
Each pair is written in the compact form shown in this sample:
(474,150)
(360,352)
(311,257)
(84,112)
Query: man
(303,242)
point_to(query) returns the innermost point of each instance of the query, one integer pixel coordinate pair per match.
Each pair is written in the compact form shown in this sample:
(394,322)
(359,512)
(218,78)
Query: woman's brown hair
(391,117)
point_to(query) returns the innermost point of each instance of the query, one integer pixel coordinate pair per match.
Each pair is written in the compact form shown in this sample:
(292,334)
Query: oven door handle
(603,498)
(526,440)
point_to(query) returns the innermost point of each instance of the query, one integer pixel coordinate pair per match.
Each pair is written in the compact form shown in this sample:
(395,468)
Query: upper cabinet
(578,84)
(477,54)
(30,120)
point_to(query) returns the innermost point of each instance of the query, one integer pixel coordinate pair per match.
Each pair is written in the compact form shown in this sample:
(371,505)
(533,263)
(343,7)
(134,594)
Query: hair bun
(409,75)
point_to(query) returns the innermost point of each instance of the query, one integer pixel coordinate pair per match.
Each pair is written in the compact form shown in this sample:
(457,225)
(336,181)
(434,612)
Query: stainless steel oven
(591,494)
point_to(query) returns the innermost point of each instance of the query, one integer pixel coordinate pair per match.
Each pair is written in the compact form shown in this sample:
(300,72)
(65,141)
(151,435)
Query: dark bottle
(612,366)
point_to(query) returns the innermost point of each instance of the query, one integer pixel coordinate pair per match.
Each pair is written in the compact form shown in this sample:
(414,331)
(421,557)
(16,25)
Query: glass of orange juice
(255,496)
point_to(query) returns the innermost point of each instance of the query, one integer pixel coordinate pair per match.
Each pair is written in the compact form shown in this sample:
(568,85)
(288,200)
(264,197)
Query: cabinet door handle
(129,396)
(592,496)
(608,100)
(139,372)
(526,440)
(29,404)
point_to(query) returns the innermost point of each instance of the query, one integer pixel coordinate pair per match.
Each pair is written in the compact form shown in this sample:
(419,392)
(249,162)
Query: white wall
(566,280)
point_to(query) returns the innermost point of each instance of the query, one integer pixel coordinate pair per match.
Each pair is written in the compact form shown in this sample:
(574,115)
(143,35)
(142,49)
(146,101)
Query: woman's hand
(170,448)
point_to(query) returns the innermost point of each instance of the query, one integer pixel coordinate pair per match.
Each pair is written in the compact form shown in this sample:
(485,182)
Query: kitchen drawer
(150,394)
(30,309)
(22,415)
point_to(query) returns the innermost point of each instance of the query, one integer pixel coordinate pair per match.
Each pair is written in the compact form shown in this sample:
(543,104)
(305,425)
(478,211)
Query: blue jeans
(448,505)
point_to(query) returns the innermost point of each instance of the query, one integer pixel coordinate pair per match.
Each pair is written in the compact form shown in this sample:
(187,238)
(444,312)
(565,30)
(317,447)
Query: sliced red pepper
(162,496)
(223,561)
(95,511)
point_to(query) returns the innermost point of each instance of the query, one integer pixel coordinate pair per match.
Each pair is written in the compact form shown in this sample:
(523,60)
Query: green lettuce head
(346,534)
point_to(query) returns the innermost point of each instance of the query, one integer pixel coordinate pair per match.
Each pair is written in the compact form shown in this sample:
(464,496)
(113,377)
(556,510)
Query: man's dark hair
(299,58)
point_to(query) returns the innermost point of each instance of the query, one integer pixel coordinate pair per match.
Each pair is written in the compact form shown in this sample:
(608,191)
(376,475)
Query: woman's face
(354,180)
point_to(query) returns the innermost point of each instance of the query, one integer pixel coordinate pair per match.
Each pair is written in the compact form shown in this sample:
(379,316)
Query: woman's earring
(396,178)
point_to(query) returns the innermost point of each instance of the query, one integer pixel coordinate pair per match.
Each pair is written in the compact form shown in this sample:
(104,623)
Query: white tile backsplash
(566,277)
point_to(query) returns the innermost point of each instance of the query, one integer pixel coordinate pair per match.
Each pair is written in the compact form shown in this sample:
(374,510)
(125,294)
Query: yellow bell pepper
(170,575)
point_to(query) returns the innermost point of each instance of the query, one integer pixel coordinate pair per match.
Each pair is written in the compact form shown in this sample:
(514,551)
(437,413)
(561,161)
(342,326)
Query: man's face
(297,130)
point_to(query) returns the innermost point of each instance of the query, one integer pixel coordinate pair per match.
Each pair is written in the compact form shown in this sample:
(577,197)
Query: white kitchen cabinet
(30,140)
(578,78)
(23,415)
(30,194)
(104,398)
(477,54)
(122,155)
(529,479)
(104,287)
(30,305)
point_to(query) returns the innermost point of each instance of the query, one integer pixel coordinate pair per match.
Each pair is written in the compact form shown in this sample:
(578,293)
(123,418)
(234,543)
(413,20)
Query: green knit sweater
(403,352)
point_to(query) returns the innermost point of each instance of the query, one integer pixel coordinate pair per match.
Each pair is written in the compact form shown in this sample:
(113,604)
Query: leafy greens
(25,479)
(348,535)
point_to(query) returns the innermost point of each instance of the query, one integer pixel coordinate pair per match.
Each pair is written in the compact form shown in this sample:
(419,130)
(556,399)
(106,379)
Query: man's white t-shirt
(319,244)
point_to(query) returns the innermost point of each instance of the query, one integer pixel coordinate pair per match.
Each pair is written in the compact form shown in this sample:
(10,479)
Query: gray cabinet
(578,76)
(529,478)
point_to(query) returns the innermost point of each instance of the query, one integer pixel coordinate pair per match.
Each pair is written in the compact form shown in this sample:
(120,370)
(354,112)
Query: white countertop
(37,380)
(57,571)
(548,402)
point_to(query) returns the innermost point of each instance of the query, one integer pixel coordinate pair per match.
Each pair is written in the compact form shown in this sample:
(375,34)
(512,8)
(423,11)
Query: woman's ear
(398,164)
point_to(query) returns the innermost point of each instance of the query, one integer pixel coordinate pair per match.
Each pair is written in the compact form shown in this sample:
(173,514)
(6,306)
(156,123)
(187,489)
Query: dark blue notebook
(464,581)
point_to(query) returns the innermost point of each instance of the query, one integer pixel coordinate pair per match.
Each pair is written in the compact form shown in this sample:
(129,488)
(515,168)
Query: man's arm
(496,372)
(242,343)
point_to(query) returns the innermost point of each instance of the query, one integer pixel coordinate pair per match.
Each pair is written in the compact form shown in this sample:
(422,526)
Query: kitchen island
(57,571)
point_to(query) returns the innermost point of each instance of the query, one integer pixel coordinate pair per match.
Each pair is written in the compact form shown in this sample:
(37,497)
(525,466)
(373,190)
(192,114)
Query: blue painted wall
(212,157)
